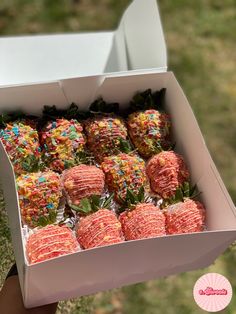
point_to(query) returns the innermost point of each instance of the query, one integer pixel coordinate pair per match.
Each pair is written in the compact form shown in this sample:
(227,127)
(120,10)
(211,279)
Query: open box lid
(137,44)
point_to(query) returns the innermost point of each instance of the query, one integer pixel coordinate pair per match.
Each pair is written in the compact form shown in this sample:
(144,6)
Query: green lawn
(200,37)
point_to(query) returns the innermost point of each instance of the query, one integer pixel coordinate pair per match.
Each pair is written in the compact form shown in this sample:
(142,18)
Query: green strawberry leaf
(125,146)
(84,157)
(147,100)
(157,147)
(100,106)
(68,164)
(92,204)
(131,197)
(42,221)
(107,201)
(141,194)
(30,164)
(76,208)
(186,189)
(52,113)
(179,195)
(192,190)
(85,205)
(12,117)
(172,147)
(95,202)
(52,216)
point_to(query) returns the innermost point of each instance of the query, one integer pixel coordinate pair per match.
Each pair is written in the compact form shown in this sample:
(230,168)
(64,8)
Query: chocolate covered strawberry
(105,135)
(124,172)
(82,181)
(39,196)
(144,221)
(185,217)
(148,124)
(49,242)
(167,172)
(22,145)
(62,141)
(100,226)
(149,131)
(140,219)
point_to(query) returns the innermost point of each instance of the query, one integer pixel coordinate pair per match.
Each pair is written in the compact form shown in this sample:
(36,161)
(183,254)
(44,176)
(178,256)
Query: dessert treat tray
(111,190)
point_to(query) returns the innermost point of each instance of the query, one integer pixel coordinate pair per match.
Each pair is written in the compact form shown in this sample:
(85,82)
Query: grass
(201,42)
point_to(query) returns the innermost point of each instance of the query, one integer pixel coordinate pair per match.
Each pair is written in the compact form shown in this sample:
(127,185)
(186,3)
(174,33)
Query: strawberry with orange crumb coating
(50,242)
(100,226)
(185,217)
(144,221)
(99,229)
(124,172)
(167,172)
(82,181)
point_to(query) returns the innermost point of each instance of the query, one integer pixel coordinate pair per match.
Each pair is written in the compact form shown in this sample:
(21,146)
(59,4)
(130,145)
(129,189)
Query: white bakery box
(41,70)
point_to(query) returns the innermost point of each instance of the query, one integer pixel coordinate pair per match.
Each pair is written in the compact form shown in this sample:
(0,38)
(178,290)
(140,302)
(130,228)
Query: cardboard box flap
(138,43)
(144,38)
(33,59)
(117,59)
(76,90)
(38,95)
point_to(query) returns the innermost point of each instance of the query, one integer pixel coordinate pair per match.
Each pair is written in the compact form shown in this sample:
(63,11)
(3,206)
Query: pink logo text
(210,291)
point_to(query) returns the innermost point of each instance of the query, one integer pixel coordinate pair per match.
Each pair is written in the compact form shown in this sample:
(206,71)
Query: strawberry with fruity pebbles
(39,196)
(148,125)
(105,135)
(124,172)
(149,131)
(62,140)
(22,145)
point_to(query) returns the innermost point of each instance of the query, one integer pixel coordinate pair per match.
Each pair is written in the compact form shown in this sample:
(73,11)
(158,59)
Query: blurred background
(201,43)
